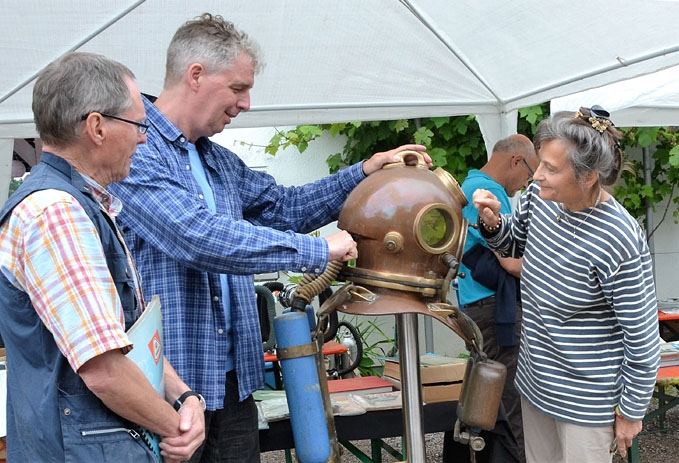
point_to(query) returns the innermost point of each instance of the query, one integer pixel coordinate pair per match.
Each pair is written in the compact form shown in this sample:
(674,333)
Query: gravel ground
(654,446)
(433,445)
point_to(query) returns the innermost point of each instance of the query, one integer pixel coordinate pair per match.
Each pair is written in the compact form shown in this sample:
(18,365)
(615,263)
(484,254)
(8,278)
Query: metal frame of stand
(409,362)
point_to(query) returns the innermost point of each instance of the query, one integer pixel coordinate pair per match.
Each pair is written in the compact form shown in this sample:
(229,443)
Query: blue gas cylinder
(303,391)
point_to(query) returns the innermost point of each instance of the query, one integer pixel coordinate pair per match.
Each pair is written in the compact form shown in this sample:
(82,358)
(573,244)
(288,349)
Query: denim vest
(51,415)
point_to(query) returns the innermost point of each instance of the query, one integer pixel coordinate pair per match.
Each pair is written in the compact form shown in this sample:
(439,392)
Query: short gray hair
(590,149)
(515,143)
(211,41)
(73,86)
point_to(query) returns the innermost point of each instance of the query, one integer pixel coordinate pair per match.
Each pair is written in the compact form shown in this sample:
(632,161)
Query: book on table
(359,385)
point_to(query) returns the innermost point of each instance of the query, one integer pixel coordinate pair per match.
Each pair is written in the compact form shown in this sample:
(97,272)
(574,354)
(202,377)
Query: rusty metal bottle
(479,401)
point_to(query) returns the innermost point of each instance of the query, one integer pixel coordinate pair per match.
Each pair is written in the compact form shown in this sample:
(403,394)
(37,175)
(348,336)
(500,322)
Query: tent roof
(649,100)
(358,59)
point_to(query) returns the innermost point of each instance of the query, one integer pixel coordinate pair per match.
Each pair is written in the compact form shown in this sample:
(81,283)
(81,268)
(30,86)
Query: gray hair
(515,143)
(591,149)
(72,87)
(211,41)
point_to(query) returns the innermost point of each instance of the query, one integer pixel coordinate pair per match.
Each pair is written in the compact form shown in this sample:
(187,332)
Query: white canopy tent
(649,100)
(357,59)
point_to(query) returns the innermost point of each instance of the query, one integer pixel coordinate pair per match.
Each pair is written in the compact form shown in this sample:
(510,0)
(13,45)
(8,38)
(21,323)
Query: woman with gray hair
(589,350)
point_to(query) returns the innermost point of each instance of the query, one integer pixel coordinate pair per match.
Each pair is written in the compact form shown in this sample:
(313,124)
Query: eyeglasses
(143,125)
(532,172)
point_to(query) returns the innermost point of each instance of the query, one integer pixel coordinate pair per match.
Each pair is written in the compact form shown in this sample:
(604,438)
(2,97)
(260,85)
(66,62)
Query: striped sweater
(589,339)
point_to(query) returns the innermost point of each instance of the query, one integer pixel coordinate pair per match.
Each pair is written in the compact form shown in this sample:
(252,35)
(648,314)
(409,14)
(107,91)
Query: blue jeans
(232,432)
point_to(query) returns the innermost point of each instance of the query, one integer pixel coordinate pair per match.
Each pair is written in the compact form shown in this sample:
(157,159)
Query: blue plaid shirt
(181,247)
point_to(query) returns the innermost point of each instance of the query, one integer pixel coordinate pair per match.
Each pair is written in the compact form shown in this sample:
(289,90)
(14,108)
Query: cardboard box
(432,393)
(441,377)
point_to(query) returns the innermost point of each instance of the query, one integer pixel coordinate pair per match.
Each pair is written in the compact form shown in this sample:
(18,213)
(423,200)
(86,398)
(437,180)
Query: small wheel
(347,334)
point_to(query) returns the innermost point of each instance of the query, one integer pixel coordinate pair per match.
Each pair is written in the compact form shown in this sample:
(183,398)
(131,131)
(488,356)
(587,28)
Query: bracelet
(488,231)
(618,415)
(489,228)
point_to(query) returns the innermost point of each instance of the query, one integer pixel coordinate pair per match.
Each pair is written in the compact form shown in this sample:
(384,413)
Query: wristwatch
(180,401)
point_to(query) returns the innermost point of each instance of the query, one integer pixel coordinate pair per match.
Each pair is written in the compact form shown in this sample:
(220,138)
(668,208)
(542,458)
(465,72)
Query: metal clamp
(303,350)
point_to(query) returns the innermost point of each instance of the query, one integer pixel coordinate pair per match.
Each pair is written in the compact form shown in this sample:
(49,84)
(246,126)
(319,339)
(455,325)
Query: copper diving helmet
(407,222)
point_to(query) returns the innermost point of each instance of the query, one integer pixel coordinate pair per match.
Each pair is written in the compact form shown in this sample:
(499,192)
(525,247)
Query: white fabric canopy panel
(359,59)
(649,100)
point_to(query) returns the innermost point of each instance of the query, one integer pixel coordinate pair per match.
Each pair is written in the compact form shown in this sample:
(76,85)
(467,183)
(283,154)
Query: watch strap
(180,400)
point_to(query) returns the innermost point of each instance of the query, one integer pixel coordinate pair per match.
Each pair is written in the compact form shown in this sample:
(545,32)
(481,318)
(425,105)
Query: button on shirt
(199,174)
(181,247)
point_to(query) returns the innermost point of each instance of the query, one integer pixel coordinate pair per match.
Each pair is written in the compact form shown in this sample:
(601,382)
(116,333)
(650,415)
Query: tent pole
(646,156)
(6,154)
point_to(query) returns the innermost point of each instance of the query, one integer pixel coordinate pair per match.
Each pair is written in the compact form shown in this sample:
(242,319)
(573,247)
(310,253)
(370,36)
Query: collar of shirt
(163,125)
(110,203)
(173,135)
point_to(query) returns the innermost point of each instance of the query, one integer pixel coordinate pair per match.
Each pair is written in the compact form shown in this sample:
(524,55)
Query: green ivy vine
(633,192)
(456,145)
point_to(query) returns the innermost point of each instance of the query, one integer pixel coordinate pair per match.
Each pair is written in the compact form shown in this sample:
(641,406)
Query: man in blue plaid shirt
(200,223)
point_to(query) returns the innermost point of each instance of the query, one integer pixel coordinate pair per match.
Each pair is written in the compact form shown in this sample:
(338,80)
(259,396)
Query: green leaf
(438,156)
(532,114)
(336,129)
(646,191)
(310,130)
(334,162)
(423,136)
(674,156)
(461,125)
(401,125)
(647,136)
(440,121)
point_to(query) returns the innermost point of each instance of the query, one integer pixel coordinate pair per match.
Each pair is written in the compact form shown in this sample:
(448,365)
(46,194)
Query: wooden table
(374,425)
(668,324)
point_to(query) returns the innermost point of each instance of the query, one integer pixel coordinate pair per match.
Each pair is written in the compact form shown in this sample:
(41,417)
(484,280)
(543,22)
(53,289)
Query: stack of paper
(669,353)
